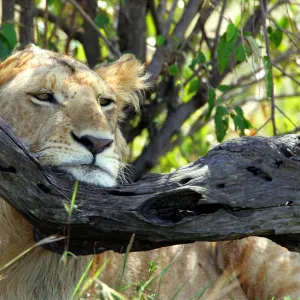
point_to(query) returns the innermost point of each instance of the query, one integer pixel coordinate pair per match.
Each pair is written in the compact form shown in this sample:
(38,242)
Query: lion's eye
(105,102)
(47,97)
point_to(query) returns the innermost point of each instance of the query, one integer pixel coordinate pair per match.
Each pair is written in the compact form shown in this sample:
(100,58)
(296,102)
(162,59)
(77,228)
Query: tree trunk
(26,21)
(90,38)
(132,28)
(8,10)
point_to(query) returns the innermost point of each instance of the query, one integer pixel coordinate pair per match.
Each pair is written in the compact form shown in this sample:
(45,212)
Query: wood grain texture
(243,187)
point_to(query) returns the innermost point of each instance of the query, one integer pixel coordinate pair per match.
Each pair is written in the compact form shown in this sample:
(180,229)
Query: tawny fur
(244,269)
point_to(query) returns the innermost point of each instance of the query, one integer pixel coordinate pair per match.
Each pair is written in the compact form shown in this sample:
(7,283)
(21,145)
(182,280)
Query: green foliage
(240,122)
(221,122)
(9,33)
(275,36)
(200,59)
(8,40)
(221,118)
(160,40)
(125,261)
(231,32)
(102,19)
(55,5)
(226,47)
(173,70)
(211,101)
(242,52)
(194,86)
(223,88)
(269,78)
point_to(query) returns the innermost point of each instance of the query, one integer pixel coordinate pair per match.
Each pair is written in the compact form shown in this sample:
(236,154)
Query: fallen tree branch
(243,187)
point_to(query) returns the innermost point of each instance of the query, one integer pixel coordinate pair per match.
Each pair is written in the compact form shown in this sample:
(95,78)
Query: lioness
(69,115)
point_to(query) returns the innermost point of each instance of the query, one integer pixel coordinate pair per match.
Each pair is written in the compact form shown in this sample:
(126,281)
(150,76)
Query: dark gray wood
(243,187)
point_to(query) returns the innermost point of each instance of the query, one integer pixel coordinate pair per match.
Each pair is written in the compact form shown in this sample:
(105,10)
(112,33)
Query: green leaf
(160,40)
(225,51)
(254,47)
(269,29)
(199,59)
(211,102)
(193,63)
(239,123)
(284,22)
(223,87)
(240,54)
(8,30)
(57,5)
(239,111)
(276,37)
(173,70)
(230,32)
(4,48)
(247,124)
(247,33)
(211,94)
(102,19)
(194,86)
(221,122)
(223,110)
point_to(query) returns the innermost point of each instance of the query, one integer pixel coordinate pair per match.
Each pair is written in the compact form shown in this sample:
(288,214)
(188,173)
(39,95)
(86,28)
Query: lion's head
(67,113)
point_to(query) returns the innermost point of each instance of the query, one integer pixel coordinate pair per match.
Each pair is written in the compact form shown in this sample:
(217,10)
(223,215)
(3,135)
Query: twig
(287,33)
(262,126)
(297,129)
(115,51)
(279,58)
(263,5)
(72,24)
(285,115)
(287,75)
(277,4)
(161,53)
(292,23)
(217,37)
(67,29)
(259,99)
(204,35)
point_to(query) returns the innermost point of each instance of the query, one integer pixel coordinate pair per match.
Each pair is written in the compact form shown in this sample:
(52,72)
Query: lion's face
(67,113)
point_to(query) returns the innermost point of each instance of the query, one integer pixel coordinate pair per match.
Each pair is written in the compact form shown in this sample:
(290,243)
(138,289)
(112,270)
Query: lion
(69,115)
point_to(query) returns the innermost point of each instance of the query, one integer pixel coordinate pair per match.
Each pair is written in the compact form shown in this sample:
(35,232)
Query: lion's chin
(95,176)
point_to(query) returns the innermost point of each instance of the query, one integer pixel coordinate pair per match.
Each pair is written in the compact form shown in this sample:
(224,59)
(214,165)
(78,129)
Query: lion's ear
(127,78)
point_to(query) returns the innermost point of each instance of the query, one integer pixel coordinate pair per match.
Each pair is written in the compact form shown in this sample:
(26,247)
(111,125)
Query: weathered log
(243,187)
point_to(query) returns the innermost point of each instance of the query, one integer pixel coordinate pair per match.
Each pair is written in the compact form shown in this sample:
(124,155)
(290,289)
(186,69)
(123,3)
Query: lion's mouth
(88,168)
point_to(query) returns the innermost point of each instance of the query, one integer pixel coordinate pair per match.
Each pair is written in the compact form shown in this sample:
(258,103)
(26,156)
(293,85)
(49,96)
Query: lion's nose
(93,144)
